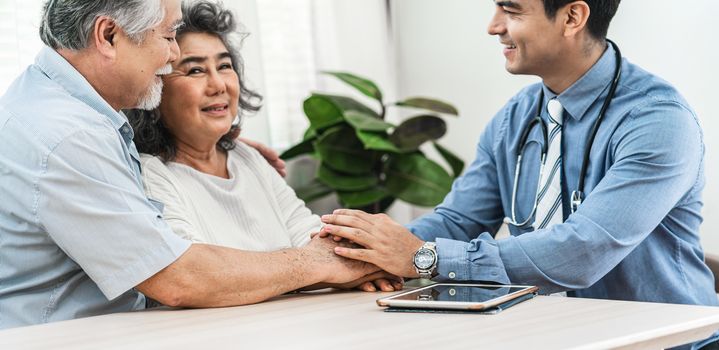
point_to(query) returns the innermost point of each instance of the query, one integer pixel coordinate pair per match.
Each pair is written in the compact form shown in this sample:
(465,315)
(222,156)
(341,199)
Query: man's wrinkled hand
(334,268)
(378,281)
(384,243)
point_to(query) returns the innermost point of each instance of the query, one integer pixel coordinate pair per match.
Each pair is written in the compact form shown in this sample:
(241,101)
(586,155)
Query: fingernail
(372,289)
(328,229)
(325,217)
(339,250)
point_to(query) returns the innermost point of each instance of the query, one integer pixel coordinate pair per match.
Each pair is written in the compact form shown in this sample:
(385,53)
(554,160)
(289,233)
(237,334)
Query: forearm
(213,276)
(472,207)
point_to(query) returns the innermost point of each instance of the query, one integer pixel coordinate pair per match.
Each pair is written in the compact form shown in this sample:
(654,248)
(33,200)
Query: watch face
(424,259)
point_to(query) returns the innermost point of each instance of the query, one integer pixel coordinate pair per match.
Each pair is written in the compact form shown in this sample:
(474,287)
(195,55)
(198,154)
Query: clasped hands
(376,238)
(372,238)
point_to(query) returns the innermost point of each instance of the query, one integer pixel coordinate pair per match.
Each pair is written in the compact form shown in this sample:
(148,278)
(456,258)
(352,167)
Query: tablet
(455,296)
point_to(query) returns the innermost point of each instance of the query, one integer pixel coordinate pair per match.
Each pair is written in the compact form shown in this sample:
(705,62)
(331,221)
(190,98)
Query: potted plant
(368,162)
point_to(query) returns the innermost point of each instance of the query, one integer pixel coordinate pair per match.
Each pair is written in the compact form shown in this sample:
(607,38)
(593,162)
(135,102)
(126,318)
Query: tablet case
(490,311)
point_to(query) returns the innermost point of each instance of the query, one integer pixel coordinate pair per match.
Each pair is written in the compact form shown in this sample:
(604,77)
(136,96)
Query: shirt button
(452,275)
(125,129)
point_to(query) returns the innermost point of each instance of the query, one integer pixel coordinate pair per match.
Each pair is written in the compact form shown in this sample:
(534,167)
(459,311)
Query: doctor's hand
(269,154)
(385,243)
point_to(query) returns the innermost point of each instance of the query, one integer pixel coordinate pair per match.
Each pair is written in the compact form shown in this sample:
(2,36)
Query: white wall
(443,50)
(255,127)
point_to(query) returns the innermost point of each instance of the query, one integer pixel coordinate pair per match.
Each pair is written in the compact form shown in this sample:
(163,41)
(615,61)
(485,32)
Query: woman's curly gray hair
(151,135)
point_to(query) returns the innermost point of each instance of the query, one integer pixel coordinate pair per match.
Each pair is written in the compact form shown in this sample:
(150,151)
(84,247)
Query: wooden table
(351,320)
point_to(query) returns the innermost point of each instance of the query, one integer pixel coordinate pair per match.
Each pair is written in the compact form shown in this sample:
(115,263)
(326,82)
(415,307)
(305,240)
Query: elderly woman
(215,190)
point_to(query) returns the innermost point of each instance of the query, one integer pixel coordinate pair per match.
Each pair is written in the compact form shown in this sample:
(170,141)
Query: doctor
(615,213)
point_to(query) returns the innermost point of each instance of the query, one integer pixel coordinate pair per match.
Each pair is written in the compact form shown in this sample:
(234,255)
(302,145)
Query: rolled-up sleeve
(91,206)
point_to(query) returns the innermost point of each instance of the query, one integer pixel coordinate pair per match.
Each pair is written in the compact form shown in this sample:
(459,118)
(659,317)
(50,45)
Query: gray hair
(151,135)
(68,23)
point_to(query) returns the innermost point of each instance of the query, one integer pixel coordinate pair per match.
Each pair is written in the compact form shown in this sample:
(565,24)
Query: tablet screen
(459,293)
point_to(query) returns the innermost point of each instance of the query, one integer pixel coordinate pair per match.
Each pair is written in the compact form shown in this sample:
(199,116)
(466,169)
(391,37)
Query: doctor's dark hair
(151,135)
(601,14)
(68,24)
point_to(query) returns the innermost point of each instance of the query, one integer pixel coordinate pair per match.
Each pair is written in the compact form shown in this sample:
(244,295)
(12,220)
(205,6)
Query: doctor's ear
(575,16)
(104,36)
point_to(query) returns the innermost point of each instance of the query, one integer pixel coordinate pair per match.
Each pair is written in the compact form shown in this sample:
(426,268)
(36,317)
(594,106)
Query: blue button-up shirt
(635,236)
(77,233)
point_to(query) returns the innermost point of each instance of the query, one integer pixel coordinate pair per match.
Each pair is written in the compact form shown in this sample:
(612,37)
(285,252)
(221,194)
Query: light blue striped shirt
(77,233)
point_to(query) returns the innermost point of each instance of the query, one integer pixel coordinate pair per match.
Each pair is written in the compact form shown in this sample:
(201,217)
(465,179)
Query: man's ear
(104,36)
(575,15)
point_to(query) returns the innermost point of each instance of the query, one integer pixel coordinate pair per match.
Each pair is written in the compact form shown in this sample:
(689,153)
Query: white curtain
(289,65)
(289,42)
(19,38)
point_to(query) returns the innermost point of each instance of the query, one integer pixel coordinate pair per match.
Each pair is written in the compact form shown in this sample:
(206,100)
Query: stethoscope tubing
(577,195)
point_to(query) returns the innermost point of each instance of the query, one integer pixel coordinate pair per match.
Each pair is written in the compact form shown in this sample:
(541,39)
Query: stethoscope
(578,194)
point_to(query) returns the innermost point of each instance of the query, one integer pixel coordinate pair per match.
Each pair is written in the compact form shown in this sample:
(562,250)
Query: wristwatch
(425,260)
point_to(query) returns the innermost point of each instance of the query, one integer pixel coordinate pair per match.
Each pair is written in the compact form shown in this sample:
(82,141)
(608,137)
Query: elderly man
(77,235)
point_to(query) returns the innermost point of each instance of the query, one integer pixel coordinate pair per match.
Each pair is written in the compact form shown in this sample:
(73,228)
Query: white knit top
(252,210)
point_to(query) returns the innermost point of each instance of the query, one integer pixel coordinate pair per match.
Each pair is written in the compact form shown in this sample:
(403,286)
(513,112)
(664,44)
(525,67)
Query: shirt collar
(577,99)
(64,74)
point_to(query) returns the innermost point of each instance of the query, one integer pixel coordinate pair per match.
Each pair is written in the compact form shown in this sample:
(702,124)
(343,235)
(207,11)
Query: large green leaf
(345,104)
(365,122)
(429,104)
(303,147)
(357,199)
(309,134)
(312,191)
(328,110)
(417,180)
(322,112)
(340,149)
(343,182)
(364,86)
(377,141)
(413,132)
(452,159)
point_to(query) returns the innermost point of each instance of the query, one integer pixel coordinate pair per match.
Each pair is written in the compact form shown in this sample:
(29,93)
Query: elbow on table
(172,298)
(171,289)
(581,281)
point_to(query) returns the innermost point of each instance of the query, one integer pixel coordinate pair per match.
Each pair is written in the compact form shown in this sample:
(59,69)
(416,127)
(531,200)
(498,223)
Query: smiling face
(531,40)
(142,65)
(200,97)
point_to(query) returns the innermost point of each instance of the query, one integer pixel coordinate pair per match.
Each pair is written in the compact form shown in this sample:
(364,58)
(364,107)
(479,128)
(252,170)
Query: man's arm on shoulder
(269,154)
